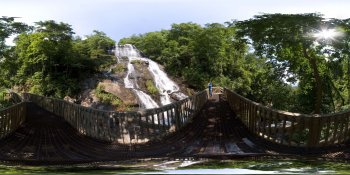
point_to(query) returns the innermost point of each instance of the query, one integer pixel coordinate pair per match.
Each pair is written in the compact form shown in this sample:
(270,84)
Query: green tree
(47,63)
(288,41)
(8,27)
(339,59)
(95,50)
(199,54)
(95,45)
(42,54)
(151,44)
(179,51)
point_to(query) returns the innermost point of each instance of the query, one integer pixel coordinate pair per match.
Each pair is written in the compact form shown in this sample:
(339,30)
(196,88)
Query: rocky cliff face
(110,83)
(133,82)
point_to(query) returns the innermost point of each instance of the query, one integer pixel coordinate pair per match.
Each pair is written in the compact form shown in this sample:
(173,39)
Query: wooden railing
(218,90)
(9,98)
(124,127)
(286,128)
(11,118)
(292,129)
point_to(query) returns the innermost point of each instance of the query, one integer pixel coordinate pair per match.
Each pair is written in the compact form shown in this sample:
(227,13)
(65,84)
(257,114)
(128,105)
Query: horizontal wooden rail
(218,90)
(11,118)
(124,127)
(9,98)
(292,129)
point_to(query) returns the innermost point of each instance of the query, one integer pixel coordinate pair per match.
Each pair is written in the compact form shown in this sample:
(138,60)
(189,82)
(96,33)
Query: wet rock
(144,75)
(69,99)
(126,95)
(88,98)
(177,96)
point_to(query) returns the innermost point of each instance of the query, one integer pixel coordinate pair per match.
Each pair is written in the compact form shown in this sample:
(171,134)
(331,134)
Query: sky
(123,18)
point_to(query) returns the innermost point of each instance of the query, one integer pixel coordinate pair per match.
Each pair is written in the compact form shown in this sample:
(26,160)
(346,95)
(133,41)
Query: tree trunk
(318,81)
(348,76)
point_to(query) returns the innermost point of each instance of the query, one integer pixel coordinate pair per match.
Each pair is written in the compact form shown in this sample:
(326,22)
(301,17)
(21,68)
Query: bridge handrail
(124,127)
(292,129)
(218,90)
(11,118)
(10,98)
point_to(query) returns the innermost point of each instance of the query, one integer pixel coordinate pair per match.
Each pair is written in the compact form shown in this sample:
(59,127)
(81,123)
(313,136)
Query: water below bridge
(215,132)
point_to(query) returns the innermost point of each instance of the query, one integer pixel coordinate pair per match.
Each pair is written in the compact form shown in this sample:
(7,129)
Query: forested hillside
(47,59)
(199,54)
(295,62)
(291,62)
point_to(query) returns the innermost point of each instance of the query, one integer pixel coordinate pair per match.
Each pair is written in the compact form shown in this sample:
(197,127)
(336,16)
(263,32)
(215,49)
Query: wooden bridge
(41,130)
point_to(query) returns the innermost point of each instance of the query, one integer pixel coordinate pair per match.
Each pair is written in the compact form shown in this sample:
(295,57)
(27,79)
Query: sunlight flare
(326,34)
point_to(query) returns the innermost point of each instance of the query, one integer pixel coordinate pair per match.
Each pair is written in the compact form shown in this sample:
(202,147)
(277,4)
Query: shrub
(151,88)
(136,62)
(106,97)
(119,68)
(3,101)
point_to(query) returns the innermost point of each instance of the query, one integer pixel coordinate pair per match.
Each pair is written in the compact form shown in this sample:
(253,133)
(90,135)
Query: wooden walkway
(215,132)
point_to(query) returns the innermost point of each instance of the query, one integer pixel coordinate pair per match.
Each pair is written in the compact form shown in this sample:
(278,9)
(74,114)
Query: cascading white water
(164,84)
(130,82)
(126,50)
(146,100)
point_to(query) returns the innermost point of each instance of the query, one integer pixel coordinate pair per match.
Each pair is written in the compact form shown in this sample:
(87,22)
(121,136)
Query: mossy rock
(106,97)
(120,68)
(151,88)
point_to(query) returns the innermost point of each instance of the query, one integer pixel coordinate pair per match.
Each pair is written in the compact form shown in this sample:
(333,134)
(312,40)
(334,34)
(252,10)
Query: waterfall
(130,79)
(126,50)
(146,100)
(163,83)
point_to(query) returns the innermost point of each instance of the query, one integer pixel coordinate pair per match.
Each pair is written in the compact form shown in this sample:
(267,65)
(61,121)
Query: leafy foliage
(151,88)
(95,45)
(3,101)
(289,43)
(8,27)
(274,59)
(47,60)
(106,97)
(199,54)
(119,68)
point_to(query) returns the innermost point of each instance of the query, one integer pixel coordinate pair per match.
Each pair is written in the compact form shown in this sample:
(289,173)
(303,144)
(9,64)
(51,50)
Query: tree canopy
(290,43)
(199,54)
(48,60)
(8,27)
(295,62)
(280,60)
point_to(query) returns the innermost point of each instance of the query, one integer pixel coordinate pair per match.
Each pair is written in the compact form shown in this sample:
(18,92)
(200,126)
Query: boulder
(126,95)
(69,99)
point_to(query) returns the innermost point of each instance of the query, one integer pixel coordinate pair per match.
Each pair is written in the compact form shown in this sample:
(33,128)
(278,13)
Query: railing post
(314,130)
(88,121)
(177,117)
